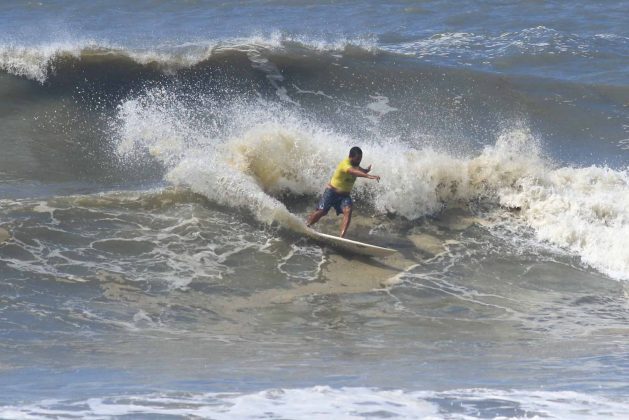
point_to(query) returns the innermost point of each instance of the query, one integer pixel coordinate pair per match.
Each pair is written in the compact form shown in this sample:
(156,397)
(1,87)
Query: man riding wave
(337,192)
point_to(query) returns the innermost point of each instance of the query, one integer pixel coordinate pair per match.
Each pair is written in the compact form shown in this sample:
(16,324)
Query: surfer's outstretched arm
(358,172)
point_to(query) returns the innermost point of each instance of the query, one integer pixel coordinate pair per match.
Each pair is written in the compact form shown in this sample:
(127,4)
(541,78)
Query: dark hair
(355,151)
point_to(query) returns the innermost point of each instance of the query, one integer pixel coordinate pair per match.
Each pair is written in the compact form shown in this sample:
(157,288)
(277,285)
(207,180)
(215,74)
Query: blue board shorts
(331,198)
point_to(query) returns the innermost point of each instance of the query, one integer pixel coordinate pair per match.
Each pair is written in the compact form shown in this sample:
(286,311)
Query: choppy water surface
(159,159)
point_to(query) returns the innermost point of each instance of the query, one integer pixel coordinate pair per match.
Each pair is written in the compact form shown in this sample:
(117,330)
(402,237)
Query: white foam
(33,62)
(583,209)
(463,46)
(324,402)
(171,256)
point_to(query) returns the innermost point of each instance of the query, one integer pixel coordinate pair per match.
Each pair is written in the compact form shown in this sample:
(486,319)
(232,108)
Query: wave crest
(39,62)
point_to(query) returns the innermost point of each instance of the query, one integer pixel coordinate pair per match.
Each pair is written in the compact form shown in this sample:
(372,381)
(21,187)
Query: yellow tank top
(341,180)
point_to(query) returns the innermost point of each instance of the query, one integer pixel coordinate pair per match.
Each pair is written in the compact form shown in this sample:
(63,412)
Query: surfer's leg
(347,217)
(326,202)
(315,216)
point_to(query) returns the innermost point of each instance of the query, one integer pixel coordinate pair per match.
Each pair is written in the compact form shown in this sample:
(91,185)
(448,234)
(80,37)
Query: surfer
(337,192)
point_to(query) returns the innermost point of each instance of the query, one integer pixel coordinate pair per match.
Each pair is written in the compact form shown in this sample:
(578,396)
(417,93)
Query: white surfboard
(348,245)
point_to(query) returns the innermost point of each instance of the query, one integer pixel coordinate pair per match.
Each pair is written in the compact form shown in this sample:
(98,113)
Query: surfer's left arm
(365,170)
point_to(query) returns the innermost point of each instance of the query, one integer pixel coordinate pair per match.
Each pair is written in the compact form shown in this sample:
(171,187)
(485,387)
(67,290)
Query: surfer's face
(355,161)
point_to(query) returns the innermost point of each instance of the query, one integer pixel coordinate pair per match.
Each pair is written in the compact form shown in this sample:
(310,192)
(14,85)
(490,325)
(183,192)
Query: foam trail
(221,183)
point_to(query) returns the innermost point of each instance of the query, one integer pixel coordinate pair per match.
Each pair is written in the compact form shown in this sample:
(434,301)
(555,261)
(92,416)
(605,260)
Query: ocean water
(159,159)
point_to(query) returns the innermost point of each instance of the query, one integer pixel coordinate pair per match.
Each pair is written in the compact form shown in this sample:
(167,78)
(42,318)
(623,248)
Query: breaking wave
(252,154)
(513,50)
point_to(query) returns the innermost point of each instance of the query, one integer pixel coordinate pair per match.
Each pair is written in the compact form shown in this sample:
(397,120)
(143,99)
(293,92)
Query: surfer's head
(355,155)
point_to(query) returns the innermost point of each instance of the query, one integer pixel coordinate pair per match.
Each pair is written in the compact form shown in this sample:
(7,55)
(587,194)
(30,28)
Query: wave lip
(38,62)
(35,63)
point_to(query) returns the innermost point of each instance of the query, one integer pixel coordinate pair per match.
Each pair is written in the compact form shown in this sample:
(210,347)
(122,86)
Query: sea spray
(261,152)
